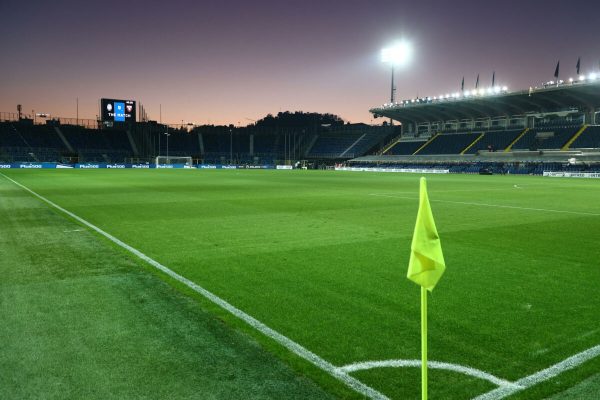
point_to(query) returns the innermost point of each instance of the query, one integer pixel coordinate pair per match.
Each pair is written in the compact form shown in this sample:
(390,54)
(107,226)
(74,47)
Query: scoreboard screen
(117,110)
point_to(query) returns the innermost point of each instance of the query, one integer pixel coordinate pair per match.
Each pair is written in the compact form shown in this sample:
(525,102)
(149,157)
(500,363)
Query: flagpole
(425,268)
(423,343)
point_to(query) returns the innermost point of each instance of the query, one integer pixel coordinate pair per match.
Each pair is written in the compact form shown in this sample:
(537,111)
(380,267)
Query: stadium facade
(552,127)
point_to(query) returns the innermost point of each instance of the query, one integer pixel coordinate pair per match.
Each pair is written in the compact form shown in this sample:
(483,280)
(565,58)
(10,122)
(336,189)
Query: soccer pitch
(320,258)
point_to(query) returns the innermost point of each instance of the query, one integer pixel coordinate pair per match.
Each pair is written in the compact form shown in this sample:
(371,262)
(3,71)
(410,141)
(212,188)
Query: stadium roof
(581,96)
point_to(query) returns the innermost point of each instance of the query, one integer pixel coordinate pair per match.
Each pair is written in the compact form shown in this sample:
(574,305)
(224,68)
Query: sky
(233,62)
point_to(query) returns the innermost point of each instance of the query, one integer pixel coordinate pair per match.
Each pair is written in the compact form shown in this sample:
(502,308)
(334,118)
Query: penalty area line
(468,203)
(543,375)
(286,342)
(476,373)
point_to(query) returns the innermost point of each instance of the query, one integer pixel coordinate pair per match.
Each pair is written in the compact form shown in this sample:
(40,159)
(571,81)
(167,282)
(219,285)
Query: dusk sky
(236,61)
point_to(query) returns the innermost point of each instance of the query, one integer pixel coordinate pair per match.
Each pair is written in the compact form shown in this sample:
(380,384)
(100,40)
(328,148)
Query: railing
(86,123)
(83,122)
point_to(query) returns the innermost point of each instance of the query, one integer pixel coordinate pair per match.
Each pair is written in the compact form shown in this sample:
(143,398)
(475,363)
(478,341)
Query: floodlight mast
(395,55)
(167,134)
(393,91)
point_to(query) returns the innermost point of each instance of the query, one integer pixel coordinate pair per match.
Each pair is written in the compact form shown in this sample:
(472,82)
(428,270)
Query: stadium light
(593,76)
(582,77)
(396,55)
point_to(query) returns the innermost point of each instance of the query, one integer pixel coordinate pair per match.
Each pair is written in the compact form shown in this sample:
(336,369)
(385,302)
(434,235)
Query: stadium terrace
(554,127)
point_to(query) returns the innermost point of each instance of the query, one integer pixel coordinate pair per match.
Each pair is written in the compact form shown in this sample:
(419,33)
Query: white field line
(430,365)
(341,373)
(468,203)
(253,322)
(543,375)
(480,190)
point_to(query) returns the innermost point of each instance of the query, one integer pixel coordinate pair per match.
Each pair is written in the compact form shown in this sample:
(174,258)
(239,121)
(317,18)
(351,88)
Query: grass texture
(321,257)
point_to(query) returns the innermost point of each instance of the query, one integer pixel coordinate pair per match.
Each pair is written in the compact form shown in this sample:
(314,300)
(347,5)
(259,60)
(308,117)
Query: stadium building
(554,127)
(70,141)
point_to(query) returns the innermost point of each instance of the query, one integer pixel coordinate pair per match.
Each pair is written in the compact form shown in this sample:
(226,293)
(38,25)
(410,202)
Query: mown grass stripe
(543,375)
(286,342)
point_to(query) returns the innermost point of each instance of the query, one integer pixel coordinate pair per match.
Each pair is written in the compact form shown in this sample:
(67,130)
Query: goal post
(172,160)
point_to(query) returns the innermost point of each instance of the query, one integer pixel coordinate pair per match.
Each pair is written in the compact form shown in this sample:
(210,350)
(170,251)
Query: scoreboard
(118,110)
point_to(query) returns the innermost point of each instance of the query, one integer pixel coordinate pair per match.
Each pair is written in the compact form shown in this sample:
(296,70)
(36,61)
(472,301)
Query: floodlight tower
(230,146)
(396,55)
(167,134)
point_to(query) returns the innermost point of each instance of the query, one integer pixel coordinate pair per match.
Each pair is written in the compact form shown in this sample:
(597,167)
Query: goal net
(171,160)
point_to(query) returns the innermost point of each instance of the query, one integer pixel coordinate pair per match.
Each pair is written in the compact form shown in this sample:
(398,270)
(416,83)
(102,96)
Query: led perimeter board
(117,110)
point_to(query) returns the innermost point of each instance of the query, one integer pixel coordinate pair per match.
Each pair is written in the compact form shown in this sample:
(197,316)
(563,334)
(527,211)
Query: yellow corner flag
(426,264)
(425,268)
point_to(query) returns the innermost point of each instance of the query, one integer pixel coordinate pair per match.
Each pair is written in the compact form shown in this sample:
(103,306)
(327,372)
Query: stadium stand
(27,142)
(23,141)
(589,139)
(182,143)
(495,141)
(449,143)
(347,141)
(265,144)
(551,127)
(546,138)
(405,147)
(520,132)
(92,145)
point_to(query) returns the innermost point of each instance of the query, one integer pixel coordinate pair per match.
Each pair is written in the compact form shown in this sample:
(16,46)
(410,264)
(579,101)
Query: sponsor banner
(170,166)
(34,165)
(89,166)
(284,167)
(560,174)
(248,166)
(410,170)
(225,166)
(109,166)
(28,165)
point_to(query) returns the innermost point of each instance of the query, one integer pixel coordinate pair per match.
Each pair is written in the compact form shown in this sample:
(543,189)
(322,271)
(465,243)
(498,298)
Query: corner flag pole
(425,268)
(423,343)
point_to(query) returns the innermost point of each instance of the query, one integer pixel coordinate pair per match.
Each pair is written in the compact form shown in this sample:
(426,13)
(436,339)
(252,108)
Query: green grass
(81,320)
(586,390)
(321,257)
